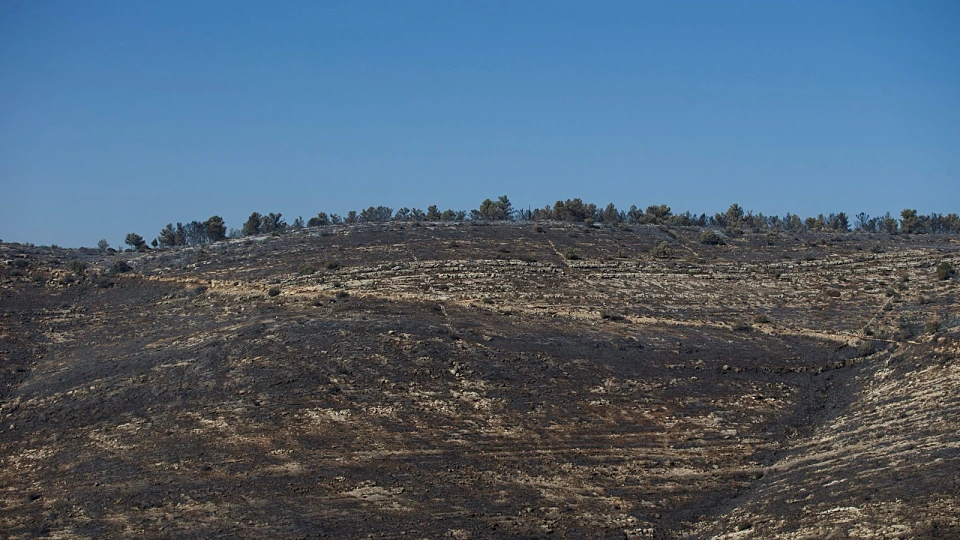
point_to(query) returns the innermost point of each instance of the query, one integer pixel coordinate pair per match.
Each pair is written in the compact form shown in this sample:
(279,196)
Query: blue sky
(124,116)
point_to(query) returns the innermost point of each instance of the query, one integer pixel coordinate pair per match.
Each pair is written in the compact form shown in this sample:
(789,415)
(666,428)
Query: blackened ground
(482,381)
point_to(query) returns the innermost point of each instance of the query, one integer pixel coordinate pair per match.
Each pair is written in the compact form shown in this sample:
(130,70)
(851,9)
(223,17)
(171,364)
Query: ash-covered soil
(483,381)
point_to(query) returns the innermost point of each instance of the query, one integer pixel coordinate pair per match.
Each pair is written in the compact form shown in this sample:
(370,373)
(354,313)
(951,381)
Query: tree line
(735,220)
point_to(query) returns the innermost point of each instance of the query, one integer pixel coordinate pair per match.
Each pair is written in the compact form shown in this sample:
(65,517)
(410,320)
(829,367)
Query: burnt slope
(473,380)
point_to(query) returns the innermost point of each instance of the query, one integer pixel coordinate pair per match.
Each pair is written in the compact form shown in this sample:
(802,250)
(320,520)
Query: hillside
(472,380)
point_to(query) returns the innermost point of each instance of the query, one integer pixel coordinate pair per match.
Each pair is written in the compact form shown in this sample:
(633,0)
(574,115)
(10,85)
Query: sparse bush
(332,265)
(274,291)
(932,326)
(761,319)
(119,266)
(77,267)
(196,291)
(944,271)
(662,251)
(538,228)
(906,329)
(741,326)
(876,248)
(866,348)
(611,316)
(103,282)
(711,238)
(343,294)
(572,255)
(305,269)
(833,293)
(103,245)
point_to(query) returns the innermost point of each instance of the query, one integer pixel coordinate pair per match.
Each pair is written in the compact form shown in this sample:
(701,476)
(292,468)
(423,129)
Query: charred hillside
(471,380)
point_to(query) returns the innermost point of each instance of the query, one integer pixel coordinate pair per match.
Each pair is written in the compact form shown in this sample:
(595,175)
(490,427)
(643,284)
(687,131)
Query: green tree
(610,215)
(215,228)
(103,245)
(910,222)
(253,226)
(499,210)
(378,214)
(734,216)
(167,236)
(135,241)
(319,220)
(889,224)
(272,223)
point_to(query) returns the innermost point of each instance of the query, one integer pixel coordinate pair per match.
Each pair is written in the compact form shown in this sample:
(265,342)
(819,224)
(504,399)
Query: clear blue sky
(124,116)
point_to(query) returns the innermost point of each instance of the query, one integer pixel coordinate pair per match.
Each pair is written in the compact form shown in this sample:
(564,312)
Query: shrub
(196,290)
(119,266)
(77,267)
(761,319)
(343,294)
(305,269)
(332,265)
(741,326)
(866,348)
(611,316)
(103,282)
(833,293)
(572,255)
(944,271)
(274,291)
(932,326)
(662,251)
(711,238)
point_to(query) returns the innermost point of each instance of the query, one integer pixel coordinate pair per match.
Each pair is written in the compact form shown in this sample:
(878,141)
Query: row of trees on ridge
(735,221)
